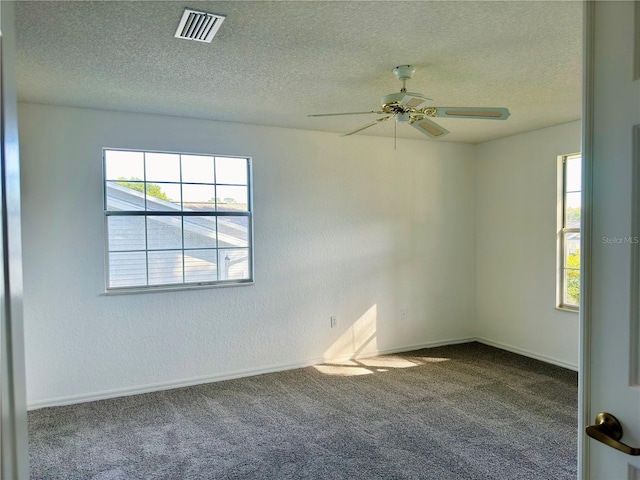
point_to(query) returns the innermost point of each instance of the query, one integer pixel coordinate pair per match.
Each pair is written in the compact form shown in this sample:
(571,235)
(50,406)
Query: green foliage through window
(137,184)
(573,278)
(573,214)
(569,245)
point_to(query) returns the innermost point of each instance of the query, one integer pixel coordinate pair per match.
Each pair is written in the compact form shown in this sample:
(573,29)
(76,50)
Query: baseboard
(156,387)
(527,353)
(406,348)
(188,382)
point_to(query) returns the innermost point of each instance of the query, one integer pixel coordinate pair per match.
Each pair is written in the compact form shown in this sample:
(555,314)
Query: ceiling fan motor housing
(404,102)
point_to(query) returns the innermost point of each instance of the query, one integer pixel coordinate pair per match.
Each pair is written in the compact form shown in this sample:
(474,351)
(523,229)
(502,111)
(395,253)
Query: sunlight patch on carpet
(366,366)
(343,370)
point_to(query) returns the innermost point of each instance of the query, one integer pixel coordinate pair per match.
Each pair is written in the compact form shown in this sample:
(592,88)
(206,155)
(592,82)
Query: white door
(611,308)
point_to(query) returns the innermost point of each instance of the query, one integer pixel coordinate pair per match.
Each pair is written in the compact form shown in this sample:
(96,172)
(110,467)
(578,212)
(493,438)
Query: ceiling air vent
(198,26)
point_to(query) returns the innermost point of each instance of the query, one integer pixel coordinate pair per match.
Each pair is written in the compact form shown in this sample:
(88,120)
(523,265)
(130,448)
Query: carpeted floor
(457,412)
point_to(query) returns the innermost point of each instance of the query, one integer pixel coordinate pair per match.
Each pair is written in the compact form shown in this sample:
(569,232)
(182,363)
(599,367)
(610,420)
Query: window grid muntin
(182,213)
(565,231)
(146,238)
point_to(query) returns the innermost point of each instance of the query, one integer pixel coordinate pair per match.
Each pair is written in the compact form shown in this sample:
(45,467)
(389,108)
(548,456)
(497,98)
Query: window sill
(129,291)
(568,309)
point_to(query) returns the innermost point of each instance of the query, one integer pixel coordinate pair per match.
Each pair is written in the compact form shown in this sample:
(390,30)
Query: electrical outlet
(404,314)
(334,321)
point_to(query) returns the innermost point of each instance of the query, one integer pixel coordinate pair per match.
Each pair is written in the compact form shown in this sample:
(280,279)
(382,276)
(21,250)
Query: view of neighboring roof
(231,231)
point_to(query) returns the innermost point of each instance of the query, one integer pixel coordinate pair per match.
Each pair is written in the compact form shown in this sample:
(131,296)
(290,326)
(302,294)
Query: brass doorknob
(609,431)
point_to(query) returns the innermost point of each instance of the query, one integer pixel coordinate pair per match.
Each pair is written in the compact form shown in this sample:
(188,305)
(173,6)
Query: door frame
(588,240)
(14,454)
(584,368)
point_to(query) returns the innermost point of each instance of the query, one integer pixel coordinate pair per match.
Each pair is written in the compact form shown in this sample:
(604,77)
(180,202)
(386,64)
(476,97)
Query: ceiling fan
(414,109)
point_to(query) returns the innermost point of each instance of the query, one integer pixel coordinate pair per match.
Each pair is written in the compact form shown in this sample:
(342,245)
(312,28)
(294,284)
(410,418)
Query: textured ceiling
(273,63)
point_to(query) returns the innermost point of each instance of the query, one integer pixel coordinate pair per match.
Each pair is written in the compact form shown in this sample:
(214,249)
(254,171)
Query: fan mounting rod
(404,73)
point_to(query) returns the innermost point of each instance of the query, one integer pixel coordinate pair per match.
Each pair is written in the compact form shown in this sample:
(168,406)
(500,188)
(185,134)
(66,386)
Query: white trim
(636,52)
(527,353)
(14,451)
(407,348)
(584,372)
(634,334)
(188,382)
(567,309)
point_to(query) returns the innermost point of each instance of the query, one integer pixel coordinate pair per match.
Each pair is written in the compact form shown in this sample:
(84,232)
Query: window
(177,220)
(569,241)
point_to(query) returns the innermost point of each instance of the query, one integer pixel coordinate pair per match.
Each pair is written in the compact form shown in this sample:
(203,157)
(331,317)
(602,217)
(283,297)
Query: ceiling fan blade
(429,128)
(367,126)
(488,113)
(415,101)
(349,113)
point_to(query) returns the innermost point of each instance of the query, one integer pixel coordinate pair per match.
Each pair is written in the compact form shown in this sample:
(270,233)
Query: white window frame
(563,232)
(182,214)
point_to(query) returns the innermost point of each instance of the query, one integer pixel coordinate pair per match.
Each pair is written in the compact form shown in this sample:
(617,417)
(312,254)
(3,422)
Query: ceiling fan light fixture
(403,118)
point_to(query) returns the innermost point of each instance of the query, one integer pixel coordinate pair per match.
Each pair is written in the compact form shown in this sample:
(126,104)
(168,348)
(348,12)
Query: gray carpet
(457,412)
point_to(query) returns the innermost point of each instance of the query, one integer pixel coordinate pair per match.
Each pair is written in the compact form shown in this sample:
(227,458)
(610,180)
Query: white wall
(343,226)
(516,235)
